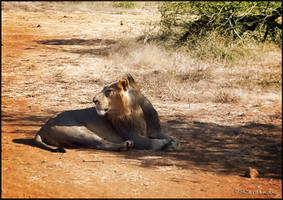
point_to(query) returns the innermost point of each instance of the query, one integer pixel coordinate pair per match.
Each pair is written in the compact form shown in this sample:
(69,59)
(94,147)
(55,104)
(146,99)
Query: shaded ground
(51,67)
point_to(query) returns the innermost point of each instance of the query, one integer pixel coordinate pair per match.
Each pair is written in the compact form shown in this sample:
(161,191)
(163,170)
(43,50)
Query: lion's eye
(108,92)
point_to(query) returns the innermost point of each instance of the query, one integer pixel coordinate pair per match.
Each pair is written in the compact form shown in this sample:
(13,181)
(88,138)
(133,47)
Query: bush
(124,4)
(183,22)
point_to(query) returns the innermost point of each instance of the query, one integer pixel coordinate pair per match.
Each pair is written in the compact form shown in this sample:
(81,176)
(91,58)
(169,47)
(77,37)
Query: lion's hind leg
(81,136)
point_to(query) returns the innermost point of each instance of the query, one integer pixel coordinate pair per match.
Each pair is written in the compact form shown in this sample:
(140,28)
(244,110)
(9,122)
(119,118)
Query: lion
(122,119)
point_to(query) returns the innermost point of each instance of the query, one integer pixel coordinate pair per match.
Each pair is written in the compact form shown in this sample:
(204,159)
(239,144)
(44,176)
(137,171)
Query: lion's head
(117,99)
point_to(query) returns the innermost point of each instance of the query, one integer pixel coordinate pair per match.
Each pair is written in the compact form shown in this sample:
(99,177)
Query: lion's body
(119,121)
(79,128)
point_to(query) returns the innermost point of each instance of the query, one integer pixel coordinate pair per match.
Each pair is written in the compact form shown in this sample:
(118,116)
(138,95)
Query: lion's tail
(41,144)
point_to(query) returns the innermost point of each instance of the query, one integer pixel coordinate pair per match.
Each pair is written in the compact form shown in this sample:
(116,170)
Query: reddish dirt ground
(211,161)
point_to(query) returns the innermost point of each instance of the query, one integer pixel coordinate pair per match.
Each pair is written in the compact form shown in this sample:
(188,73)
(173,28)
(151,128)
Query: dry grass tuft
(226,96)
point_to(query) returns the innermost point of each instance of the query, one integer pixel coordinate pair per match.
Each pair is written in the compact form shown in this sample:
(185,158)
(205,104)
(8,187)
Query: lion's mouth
(101,111)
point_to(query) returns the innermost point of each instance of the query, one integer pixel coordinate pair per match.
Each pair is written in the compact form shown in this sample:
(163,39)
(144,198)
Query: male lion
(123,118)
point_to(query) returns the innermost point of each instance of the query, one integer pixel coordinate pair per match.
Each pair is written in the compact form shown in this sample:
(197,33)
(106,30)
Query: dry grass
(178,76)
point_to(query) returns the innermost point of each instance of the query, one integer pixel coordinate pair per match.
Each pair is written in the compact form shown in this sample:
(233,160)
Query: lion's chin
(101,112)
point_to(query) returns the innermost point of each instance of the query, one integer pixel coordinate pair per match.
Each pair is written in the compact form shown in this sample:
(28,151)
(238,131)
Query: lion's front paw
(130,144)
(172,145)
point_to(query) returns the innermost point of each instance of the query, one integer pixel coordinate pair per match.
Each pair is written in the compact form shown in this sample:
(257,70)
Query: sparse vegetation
(213,68)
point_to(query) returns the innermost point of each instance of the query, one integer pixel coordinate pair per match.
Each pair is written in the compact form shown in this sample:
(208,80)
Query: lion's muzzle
(101,111)
(101,104)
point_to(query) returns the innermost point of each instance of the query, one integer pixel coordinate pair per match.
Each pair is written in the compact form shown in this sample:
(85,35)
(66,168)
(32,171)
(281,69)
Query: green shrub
(124,4)
(194,19)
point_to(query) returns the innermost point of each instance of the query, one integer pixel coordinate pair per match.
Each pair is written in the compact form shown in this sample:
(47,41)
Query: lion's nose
(95,100)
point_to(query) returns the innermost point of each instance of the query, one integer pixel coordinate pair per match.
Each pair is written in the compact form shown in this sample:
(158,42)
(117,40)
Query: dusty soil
(55,61)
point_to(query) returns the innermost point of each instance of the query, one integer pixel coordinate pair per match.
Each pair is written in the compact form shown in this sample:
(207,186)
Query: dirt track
(57,61)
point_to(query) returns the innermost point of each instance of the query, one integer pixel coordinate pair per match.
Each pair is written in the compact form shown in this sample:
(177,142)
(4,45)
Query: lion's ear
(123,84)
(130,79)
(132,82)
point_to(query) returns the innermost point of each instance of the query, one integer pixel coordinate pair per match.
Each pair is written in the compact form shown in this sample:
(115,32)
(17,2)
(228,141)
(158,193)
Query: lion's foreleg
(148,144)
(110,146)
(172,145)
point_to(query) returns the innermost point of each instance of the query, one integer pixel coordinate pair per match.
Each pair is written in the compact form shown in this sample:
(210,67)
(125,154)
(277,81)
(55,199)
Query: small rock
(38,25)
(252,173)
(240,114)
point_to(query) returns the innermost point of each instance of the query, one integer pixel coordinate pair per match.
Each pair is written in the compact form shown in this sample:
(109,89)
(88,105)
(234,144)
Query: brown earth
(55,61)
